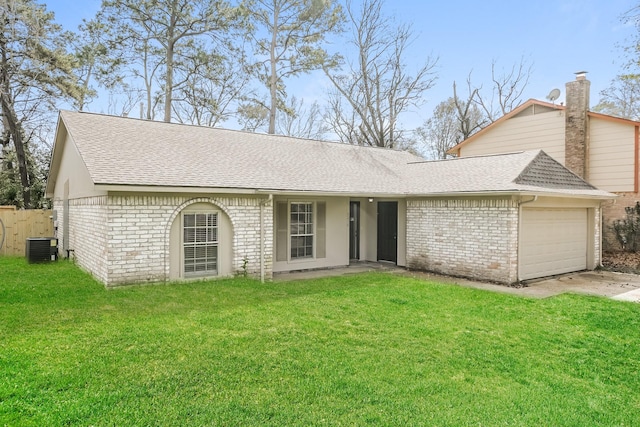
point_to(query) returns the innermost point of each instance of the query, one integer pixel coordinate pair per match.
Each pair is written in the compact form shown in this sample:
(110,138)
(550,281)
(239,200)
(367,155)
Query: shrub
(627,230)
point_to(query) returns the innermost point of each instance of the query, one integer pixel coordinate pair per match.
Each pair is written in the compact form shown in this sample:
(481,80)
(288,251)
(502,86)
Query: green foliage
(161,38)
(36,74)
(289,38)
(243,272)
(621,98)
(627,230)
(372,349)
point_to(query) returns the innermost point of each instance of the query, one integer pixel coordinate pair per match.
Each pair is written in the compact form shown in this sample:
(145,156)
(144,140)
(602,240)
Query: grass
(371,349)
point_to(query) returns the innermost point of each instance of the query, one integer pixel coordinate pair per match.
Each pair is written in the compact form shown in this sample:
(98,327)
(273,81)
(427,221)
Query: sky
(558,37)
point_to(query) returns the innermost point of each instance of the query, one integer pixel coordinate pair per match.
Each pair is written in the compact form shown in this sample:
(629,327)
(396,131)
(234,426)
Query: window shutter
(321,231)
(281,231)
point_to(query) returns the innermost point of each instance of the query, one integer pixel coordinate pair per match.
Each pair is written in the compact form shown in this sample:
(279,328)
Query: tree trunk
(168,90)
(171,43)
(273,75)
(15,129)
(11,123)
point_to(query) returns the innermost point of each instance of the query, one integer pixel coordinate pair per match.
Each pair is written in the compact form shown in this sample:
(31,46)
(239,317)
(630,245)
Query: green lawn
(372,349)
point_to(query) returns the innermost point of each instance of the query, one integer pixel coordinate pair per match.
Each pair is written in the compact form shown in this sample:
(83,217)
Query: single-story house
(142,201)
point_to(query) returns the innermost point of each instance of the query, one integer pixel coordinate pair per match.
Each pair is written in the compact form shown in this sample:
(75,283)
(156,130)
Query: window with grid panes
(200,244)
(301,229)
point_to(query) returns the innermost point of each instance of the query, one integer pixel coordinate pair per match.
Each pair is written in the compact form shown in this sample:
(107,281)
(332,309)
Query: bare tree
(506,89)
(122,100)
(375,88)
(469,117)
(301,121)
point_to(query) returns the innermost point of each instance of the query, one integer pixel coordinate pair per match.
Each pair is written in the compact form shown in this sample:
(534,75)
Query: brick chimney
(577,125)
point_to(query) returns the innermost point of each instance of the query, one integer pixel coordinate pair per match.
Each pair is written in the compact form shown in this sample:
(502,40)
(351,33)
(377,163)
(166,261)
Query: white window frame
(208,243)
(313,233)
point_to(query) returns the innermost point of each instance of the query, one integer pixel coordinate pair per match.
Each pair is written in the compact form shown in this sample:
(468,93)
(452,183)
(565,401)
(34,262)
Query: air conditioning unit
(42,249)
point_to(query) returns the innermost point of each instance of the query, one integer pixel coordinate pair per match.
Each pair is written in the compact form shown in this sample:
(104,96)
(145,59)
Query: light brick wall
(125,239)
(474,238)
(138,234)
(87,233)
(615,210)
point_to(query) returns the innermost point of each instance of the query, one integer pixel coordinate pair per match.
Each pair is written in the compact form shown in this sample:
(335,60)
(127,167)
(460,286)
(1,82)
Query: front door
(354,230)
(388,231)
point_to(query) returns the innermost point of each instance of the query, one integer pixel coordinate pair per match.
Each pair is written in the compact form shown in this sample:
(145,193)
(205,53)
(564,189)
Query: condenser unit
(42,249)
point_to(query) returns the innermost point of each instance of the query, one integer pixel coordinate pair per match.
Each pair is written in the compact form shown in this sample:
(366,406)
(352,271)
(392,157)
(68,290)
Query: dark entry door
(388,231)
(354,230)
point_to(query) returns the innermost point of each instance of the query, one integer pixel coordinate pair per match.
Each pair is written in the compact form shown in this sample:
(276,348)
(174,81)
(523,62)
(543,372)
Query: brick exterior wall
(474,238)
(87,233)
(125,239)
(614,210)
(576,125)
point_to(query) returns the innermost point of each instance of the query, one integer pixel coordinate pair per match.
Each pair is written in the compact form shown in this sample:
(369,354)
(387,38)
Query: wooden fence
(20,225)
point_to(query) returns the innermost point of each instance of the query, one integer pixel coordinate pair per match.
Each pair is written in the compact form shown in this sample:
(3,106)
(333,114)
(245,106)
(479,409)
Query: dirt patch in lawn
(625,262)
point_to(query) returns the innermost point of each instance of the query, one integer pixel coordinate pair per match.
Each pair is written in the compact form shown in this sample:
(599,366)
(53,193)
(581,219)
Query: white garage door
(552,241)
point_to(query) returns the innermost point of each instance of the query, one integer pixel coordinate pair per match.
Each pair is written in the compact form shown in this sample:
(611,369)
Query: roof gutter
(528,201)
(313,193)
(513,193)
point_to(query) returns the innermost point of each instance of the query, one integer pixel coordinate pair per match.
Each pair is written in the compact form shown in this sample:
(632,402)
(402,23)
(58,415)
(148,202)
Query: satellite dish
(553,95)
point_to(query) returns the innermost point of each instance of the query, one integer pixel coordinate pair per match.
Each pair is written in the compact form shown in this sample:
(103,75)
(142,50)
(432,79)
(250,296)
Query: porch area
(354,267)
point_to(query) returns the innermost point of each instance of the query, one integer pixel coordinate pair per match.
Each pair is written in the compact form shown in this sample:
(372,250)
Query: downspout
(520,230)
(601,233)
(262,249)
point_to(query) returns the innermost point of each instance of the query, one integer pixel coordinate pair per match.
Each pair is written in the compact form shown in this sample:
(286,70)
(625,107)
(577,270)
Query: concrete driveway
(618,286)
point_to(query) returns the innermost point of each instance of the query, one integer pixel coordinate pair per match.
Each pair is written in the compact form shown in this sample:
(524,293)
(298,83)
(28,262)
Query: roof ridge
(510,153)
(223,129)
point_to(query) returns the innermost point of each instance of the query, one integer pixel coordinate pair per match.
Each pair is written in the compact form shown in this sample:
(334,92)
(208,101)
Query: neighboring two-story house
(600,148)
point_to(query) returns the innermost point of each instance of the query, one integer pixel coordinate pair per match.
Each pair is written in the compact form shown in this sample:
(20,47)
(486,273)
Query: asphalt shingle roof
(125,151)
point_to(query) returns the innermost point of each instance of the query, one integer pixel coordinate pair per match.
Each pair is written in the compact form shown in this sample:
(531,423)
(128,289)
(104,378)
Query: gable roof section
(545,171)
(513,173)
(131,153)
(502,119)
(530,103)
